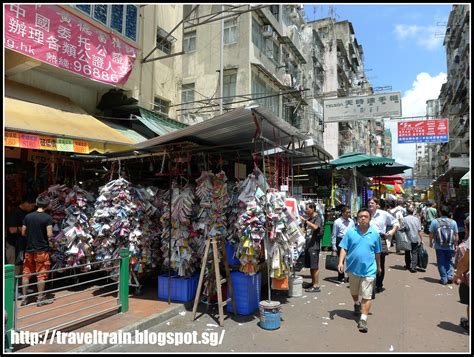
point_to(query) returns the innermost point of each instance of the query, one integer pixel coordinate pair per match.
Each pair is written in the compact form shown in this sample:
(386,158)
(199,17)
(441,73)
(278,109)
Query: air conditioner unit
(267,31)
(293,14)
(275,36)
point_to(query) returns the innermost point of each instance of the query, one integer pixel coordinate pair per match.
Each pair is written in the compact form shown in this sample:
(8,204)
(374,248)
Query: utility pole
(221,73)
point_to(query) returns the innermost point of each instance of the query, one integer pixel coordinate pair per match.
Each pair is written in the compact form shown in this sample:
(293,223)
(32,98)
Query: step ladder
(216,280)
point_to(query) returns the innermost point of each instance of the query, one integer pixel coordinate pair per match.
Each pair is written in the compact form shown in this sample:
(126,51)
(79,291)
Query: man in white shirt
(339,228)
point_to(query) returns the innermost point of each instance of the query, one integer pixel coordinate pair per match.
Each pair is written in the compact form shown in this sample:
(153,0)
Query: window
(121,18)
(161,106)
(100,13)
(187,93)
(230,31)
(230,85)
(261,89)
(190,42)
(85,8)
(257,38)
(163,41)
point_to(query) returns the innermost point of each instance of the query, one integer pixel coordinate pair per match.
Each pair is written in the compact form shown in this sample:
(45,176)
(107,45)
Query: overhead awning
(43,113)
(237,129)
(129,133)
(159,124)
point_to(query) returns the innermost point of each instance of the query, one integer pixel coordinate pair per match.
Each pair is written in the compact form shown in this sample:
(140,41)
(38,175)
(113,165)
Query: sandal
(313,290)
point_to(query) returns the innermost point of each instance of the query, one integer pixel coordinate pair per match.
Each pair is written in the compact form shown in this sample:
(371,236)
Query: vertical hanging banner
(52,35)
(423,131)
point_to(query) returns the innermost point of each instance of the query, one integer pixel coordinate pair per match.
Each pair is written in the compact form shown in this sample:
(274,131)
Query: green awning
(160,125)
(359,159)
(464,181)
(129,133)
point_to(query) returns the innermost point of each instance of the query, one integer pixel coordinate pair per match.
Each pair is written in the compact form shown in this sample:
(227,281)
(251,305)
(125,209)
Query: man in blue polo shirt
(361,244)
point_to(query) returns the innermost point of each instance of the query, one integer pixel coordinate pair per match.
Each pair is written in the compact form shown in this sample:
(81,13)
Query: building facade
(451,161)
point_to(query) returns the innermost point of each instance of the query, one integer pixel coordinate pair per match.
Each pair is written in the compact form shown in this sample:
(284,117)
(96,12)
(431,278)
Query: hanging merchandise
(286,240)
(251,222)
(71,209)
(120,220)
(183,237)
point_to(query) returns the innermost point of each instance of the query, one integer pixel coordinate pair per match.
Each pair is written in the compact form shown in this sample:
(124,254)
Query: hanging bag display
(332,262)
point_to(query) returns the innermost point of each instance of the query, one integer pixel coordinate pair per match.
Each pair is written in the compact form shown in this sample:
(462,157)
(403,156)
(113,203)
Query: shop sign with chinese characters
(52,35)
(423,131)
(31,141)
(387,105)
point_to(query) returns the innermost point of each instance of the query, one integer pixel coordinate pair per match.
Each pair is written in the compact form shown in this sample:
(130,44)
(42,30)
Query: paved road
(414,314)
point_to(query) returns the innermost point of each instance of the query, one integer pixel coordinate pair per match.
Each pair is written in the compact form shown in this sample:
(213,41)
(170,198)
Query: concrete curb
(141,325)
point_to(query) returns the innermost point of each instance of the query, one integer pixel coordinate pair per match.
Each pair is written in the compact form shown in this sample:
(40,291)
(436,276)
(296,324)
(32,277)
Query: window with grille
(189,42)
(163,42)
(187,96)
(121,18)
(161,106)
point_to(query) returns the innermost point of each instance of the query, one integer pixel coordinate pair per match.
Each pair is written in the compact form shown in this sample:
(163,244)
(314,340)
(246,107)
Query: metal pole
(10,291)
(221,73)
(169,246)
(265,237)
(124,277)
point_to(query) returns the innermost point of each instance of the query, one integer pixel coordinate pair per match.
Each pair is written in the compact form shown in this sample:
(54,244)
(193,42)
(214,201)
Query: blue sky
(403,48)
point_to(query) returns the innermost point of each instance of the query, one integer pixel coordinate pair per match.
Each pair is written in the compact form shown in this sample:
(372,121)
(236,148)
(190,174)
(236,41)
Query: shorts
(311,258)
(464,294)
(361,285)
(37,262)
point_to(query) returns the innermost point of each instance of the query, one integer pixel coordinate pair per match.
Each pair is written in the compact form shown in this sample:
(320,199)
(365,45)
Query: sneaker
(313,289)
(25,301)
(442,282)
(42,300)
(357,309)
(362,326)
(450,280)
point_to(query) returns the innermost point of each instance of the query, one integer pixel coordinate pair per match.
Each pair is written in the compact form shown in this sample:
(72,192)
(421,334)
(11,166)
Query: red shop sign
(52,35)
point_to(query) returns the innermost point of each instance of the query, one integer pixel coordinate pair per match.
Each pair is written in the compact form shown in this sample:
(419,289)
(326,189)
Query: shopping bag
(422,257)
(332,262)
(402,242)
(280,284)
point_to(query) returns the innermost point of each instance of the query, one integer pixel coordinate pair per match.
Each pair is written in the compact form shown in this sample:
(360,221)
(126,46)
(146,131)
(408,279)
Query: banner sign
(385,105)
(423,131)
(29,141)
(52,35)
(65,144)
(409,182)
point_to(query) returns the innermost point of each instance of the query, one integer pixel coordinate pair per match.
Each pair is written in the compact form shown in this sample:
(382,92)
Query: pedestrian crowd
(362,244)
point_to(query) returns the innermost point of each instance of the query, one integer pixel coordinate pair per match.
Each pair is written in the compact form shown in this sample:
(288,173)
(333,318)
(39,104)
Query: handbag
(332,261)
(402,241)
(422,257)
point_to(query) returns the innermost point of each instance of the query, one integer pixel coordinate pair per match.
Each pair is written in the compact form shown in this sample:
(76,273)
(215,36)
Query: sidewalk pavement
(144,312)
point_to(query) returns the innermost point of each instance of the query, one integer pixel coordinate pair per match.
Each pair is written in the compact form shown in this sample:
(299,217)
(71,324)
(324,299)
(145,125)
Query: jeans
(445,267)
(411,256)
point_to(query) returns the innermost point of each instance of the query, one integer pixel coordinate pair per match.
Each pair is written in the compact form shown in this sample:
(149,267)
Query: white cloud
(414,100)
(425,36)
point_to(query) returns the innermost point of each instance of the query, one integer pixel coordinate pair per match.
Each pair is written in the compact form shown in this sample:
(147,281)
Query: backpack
(444,235)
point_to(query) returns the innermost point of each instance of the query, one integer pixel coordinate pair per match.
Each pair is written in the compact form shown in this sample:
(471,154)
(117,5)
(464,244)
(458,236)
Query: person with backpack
(444,234)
